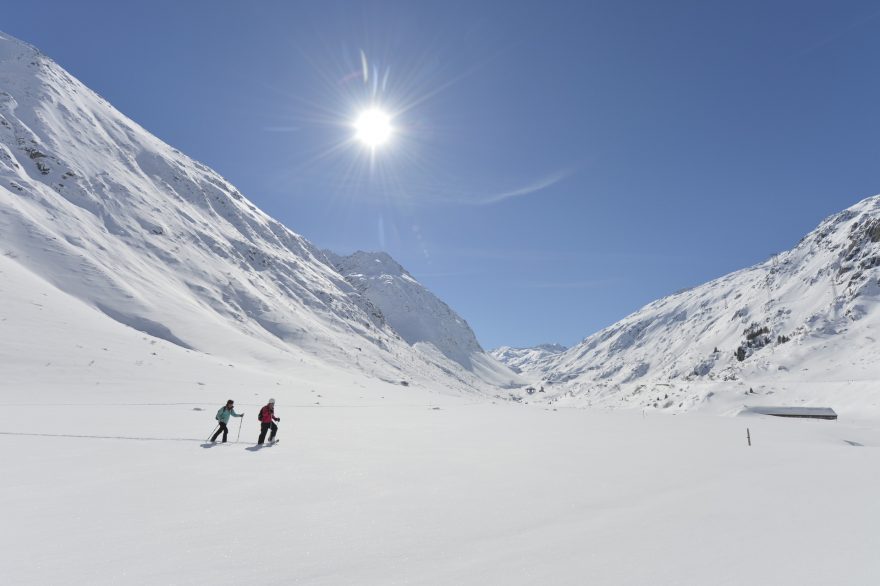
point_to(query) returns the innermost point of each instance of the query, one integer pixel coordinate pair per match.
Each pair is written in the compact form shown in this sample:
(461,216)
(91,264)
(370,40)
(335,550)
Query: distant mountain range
(526,358)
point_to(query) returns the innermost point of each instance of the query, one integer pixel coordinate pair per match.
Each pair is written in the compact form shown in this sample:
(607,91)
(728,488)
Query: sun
(373,127)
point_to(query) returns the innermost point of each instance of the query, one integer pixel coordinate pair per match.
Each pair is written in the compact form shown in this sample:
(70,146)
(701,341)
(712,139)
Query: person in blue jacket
(223,418)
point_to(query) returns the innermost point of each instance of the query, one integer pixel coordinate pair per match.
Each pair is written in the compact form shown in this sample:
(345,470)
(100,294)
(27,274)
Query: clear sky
(555,165)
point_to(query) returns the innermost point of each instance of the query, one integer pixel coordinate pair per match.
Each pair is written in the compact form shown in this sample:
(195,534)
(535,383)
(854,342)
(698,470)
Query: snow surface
(140,291)
(109,479)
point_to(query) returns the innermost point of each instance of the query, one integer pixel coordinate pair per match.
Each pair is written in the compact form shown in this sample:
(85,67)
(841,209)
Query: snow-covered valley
(109,479)
(139,291)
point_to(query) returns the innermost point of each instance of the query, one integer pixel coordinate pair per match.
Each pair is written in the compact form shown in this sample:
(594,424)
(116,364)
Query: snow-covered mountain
(111,215)
(420,317)
(801,327)
(519,358)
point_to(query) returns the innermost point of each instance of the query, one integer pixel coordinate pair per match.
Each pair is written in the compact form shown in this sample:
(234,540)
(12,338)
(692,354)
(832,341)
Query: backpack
(260,414)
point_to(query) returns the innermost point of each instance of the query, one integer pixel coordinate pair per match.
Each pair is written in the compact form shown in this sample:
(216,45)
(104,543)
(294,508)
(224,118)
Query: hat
(230,401)
(271,400)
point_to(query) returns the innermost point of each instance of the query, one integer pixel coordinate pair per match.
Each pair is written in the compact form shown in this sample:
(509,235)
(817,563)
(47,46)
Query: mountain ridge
(419,316)
(108,213)
(518,358)
(753,334)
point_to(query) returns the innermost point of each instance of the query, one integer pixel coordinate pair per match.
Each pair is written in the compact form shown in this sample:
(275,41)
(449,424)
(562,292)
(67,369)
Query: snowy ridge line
(797,329)
(136,233)
(519,358)
(394,296)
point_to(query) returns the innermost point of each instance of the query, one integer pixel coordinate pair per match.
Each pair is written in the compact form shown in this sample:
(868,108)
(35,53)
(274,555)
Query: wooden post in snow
(748,436)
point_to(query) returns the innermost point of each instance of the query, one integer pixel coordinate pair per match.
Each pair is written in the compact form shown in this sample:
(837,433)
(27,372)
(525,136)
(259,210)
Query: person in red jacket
(267,422)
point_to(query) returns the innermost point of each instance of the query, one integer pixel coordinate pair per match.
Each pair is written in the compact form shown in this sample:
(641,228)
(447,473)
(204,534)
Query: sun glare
(373,127)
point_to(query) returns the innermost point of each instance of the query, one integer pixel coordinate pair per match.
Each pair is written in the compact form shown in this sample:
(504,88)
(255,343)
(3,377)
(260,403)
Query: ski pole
(212,432)
(240,421)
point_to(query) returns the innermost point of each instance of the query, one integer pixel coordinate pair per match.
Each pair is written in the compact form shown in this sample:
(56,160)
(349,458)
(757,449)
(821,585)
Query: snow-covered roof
(814,412)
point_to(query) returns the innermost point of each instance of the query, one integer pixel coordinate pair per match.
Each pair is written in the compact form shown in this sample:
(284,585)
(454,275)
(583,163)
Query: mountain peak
(416,314)
(521,359)
(371,264)
(158,242)
(411,310)
(808,313)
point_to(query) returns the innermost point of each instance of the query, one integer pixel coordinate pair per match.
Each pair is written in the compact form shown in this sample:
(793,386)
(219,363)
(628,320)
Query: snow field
(409,494)
(106,480)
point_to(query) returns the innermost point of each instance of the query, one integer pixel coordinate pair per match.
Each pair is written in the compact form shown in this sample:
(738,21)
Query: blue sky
(556,165)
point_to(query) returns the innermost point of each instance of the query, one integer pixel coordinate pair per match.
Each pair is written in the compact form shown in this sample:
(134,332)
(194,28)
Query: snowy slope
(108,478)
(801,327)
(419,316)
(152,239)
(524,358)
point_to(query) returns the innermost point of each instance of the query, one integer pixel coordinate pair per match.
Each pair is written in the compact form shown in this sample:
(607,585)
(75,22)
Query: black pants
(264,427)
(225,431)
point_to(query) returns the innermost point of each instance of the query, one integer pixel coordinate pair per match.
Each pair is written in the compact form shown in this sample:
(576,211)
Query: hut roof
(810,412)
